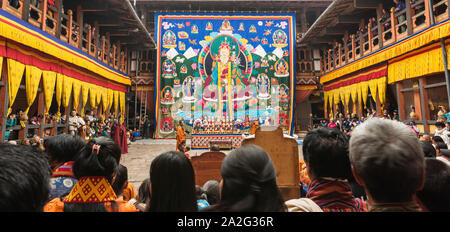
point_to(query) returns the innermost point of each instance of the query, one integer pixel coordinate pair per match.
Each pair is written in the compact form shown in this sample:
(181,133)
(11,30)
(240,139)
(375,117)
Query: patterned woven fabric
(64,170)
(396,207)
(92,189)
(333,195)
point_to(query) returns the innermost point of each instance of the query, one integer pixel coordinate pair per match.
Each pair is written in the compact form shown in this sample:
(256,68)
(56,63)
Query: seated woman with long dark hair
(249,183)
(95,169)
(172,184)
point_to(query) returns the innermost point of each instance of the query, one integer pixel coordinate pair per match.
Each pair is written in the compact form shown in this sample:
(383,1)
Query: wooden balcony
(53,19)
(388,28)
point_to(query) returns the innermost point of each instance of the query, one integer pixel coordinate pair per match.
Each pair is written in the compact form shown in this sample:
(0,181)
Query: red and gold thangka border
(28,56)
(427,36)
(373,73)
(24,33)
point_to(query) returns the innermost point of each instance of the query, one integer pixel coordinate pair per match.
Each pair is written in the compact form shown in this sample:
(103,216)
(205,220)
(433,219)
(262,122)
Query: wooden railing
(388,28)
(60,24)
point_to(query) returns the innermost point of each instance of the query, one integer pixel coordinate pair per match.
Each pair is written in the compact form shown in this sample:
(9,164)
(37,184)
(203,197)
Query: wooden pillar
(369,35)
(41,110)
(4,98)
(409,23)
(379,25)
(81,29)
(59,13)
(417,104)
(44,15)
(400,101)
(424,109)
(69,27)
(393,24)
(303,20)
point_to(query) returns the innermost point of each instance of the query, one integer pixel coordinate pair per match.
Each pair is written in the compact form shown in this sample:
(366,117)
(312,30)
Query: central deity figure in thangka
(225,67)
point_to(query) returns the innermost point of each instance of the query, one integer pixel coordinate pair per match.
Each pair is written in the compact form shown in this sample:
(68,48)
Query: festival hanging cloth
(92,189)
(15,74)
(116,103)
(59,92)
(105,100)
(32,79)
(49,82)
(84,96)
(67,90)
(381,85)
(1,66)
(373,88)
(76,93)
(93,96)
(110,94)
(122,106)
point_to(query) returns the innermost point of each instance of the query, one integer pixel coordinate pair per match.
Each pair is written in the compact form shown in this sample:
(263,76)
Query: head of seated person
(388,161)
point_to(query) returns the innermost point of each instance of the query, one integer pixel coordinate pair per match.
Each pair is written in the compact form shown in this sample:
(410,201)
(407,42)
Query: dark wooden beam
(335,30)
(365,4)
(349,19)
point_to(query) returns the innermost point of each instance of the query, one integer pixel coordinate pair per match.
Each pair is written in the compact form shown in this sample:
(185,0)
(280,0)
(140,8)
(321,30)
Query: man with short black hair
(24,178)
(325,151)
(388,161)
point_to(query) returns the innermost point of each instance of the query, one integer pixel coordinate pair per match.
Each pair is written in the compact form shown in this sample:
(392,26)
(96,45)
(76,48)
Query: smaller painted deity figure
(194,29)
(281,68)
(169,39)
(241,27)
(252,29)
(209,26)
(169,69)
(167,96)
(226,26)
(284,93)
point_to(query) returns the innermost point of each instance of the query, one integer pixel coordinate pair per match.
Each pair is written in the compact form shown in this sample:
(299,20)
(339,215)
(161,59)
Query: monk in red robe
(119,133)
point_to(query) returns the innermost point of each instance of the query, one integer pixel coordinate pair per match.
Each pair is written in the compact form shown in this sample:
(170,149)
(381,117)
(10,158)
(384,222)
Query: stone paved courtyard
(142,152)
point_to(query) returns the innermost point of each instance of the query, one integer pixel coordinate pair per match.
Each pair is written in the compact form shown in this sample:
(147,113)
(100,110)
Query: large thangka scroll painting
(234,67)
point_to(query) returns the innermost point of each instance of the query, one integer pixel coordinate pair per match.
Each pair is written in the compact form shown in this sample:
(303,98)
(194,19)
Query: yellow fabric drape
(325,98)
(116,103)
(364,86)
(67,90)
(110,94)
(98,90)
(354,93)
(373,88)
(122,106)
(381,84)
(416,66)
(1,66)
(84,96)
(359,95)
(105,100)
(59,92)
(336,96)
(347,94)
(93,96)
(15,74)
(49,82)
(417,41)
(76,93)
(32,79)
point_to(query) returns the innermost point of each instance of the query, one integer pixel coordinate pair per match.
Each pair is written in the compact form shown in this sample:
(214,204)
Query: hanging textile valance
(49,82)
(18,30)
(15,74)
(45,62)
(372,73)
(428,36)
(32,79)
(425,61)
